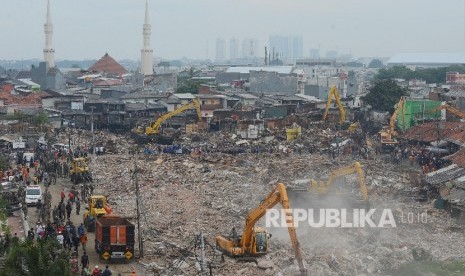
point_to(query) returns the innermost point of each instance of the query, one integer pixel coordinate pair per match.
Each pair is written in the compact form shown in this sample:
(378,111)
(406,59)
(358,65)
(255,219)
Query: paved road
(124,269)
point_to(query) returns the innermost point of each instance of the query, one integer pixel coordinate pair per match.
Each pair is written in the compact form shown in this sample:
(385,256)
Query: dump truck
(114,238)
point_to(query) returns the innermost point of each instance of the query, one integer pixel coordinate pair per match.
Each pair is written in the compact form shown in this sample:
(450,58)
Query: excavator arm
(400,107)
(155,127)
(354,169)
(450,109)
(337,97)
(277,195)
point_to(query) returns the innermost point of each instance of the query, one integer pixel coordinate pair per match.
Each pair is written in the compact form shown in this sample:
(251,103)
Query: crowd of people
(44,166)
(428,160)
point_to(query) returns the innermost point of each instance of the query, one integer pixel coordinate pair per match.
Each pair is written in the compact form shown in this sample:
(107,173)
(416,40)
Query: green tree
(430,75)
(3,215)
(384,95)
(189,86)
(40,119)
(36,259)
(375,63)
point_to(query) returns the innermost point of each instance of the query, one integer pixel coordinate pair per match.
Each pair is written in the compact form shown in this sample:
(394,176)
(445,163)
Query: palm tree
(44,257)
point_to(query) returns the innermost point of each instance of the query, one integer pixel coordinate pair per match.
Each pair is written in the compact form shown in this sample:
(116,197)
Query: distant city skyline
(88,29)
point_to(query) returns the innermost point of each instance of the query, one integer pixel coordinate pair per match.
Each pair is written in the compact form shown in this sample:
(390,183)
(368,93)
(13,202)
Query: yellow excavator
(334,93)
(388,135)
(356,168)
(254,240)
(305,196)
(152,132)
(450,109)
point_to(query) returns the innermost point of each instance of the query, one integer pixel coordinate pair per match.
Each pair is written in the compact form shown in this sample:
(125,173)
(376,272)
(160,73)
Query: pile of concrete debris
(184,195)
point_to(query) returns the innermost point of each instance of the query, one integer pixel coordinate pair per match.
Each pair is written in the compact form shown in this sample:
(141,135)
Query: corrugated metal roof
(309,98)
(445,174)
(28,82)
(427,58)
(184,96)
(247,69)
(246,96)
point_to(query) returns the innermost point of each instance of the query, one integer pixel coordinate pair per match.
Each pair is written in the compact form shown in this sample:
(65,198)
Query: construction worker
(234,236)
(133,272)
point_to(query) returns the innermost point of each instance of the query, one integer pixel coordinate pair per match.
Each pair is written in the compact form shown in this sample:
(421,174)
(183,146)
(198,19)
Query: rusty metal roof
(428,132)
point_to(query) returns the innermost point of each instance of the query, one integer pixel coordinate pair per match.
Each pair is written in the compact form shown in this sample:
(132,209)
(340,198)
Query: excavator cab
(254,240)
(261,242)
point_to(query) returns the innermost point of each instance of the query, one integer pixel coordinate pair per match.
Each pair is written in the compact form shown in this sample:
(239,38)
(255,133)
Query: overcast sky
(86,29)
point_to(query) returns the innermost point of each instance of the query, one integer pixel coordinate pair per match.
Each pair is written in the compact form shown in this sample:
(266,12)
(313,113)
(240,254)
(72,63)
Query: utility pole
(92,128)
(136,182)
(202,252)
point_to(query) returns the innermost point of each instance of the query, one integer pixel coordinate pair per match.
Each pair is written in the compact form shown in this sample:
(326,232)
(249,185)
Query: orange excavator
(254,240)
(450,109)
(388,135)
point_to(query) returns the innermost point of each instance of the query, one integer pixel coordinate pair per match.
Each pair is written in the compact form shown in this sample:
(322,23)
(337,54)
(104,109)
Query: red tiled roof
(459,158)
(457,138)
(107,82)
(428,132)
(32,99)
(108,65)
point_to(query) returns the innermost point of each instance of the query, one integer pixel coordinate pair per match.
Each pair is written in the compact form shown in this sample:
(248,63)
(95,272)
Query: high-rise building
(220,50)
(146,67)
(297,47)
(287,46)
(315,53)
(233,48)
(250,48)
(332,54)
(49,52)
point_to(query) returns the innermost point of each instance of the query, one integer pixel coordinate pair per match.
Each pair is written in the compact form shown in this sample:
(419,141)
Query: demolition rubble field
(184,195)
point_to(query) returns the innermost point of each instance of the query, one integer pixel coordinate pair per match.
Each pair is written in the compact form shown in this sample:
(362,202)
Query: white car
(33,194)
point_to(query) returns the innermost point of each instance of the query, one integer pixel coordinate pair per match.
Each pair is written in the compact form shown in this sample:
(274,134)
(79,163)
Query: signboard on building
(19,145)
(77,105)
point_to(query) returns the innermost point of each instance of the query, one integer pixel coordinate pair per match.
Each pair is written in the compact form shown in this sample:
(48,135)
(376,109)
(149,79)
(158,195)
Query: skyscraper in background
(287,46)
(250,48)
(233,48)
(315,53)
(220,50)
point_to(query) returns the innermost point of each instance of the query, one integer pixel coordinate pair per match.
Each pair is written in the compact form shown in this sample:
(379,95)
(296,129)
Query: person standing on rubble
(69,208)
(83,192)
(78,206)
(234,236)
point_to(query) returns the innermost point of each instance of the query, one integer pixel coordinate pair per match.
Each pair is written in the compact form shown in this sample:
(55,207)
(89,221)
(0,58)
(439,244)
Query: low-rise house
(185,98)
(246,99)
(143,97)
(210,103)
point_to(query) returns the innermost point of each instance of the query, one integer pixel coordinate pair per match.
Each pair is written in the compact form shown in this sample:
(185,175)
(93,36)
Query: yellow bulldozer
(97,207)
(79,171)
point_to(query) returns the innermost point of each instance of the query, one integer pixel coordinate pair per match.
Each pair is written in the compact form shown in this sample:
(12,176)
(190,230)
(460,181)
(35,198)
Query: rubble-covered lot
(184,195)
